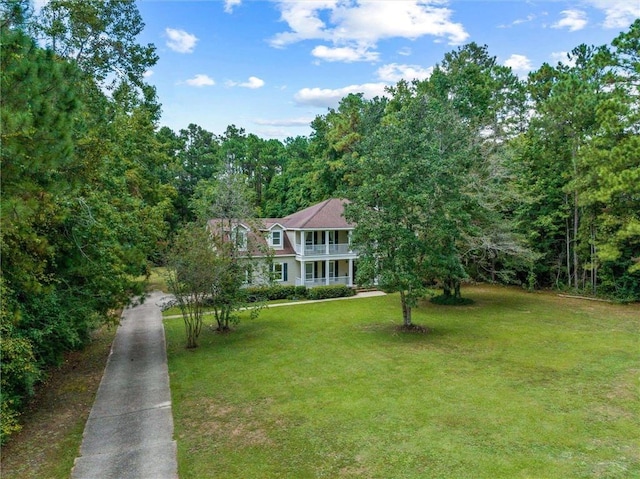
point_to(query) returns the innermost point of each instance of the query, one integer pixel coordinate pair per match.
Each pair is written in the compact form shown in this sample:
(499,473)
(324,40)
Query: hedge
(279,292)
(327,292)
(275,292)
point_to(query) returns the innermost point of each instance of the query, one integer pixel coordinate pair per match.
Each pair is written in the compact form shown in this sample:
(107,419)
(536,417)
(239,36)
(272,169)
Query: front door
(308,272)
(332,270)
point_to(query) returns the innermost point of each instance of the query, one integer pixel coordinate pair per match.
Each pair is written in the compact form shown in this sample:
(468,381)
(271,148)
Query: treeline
(546,179)
(85,207)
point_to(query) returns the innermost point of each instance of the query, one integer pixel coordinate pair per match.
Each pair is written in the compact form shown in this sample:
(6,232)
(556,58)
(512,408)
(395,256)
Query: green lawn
(517,385)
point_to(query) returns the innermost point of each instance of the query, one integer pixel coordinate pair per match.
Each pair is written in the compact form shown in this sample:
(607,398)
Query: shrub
(451,300)
(275,292)
(327,292)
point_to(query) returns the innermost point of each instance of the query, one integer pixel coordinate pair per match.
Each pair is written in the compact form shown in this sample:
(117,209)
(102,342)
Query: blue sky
(271,66)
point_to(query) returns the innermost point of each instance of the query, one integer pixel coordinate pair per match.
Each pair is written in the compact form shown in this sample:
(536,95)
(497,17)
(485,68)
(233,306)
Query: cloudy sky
(272,66)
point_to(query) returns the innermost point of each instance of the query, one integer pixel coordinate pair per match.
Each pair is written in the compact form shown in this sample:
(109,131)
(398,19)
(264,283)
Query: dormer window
(276,239)
(239,237)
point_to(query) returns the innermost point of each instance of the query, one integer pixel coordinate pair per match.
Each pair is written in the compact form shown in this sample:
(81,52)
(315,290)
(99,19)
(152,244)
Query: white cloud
(180,41)
(519,63)
(200,80)
(344,54)
(519,21)
(563,57)
(285,122)
(147,74)
(362,24)
(405,51)
(395,72)
(618,13)
(229,4)
(572,19)
(252,82)
(329,98)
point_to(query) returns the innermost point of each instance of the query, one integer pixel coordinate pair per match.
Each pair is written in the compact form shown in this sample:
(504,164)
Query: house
(311,247)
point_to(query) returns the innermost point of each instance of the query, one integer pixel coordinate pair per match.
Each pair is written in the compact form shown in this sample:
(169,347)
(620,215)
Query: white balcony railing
(310,283)
(323,249)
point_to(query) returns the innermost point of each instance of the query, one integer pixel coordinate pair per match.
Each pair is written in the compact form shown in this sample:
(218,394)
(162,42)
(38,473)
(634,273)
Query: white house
(311,247)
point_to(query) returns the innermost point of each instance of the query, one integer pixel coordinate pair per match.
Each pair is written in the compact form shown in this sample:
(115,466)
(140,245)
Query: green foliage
(99,36)
(275,292)
(578,166)
(408,203)
(18,366)
(450,300)
(193,268)
(82,203)
(331,291)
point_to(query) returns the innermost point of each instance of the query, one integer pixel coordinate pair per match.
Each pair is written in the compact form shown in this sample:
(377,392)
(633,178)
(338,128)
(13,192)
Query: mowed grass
(517,385)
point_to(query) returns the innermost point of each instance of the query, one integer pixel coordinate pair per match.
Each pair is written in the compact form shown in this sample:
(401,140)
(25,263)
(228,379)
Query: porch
(328,281)
(325,273)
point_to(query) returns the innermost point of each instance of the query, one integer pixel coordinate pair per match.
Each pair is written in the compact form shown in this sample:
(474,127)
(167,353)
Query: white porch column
(350,272)
(326,242)
(303,273)
(303,242)
(326,272)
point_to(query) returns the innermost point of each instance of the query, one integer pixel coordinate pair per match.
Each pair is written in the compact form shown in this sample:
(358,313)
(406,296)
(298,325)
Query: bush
(327,292)
(275,292)
(450,300)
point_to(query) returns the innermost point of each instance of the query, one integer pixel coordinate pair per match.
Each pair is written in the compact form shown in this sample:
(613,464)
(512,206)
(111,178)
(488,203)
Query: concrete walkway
(364,294)
(129,433)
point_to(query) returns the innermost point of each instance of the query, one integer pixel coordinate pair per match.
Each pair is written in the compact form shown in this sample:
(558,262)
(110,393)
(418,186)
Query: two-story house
(311,247)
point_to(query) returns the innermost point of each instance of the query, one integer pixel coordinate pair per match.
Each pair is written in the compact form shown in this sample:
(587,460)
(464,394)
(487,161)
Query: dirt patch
(412,328)
(54,421)
(227,424)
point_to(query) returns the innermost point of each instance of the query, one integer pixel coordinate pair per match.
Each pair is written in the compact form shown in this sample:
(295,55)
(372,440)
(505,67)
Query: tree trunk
(594,259)
(406,309)
(568,240)
(576,224)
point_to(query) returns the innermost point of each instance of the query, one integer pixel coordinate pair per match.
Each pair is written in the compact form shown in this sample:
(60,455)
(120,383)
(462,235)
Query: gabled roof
(326,215)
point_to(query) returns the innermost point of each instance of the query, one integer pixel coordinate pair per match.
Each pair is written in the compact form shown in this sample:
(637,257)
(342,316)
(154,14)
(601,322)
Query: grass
(157,279)
(516,385)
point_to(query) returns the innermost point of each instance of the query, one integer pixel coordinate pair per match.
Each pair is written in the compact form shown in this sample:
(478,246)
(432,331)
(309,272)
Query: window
(280,271)
(276,239)
(239,237)
(248,275)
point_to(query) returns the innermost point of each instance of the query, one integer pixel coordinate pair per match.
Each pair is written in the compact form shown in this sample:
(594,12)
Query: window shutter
(284,272)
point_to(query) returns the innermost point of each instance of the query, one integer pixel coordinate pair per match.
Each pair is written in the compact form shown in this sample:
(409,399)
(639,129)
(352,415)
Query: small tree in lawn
(193,268)
(242,256)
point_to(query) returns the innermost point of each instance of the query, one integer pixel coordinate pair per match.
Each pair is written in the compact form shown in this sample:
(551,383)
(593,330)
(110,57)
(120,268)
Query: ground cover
(515,385)
(53,425)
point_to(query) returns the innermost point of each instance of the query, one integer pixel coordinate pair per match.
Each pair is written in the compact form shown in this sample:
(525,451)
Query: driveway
(129,433)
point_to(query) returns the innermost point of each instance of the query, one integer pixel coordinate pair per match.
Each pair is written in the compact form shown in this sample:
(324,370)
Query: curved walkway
(129,432)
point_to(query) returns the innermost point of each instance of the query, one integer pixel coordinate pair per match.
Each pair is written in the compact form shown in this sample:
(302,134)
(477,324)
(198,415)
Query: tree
(237,239)
(566,99)
(492,102)
(100,36)
(82,212)
(609,183)
(212,258)
(407,203)
(192,268)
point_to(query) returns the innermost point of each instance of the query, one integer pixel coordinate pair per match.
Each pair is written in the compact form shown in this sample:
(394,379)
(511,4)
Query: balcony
(323,249)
